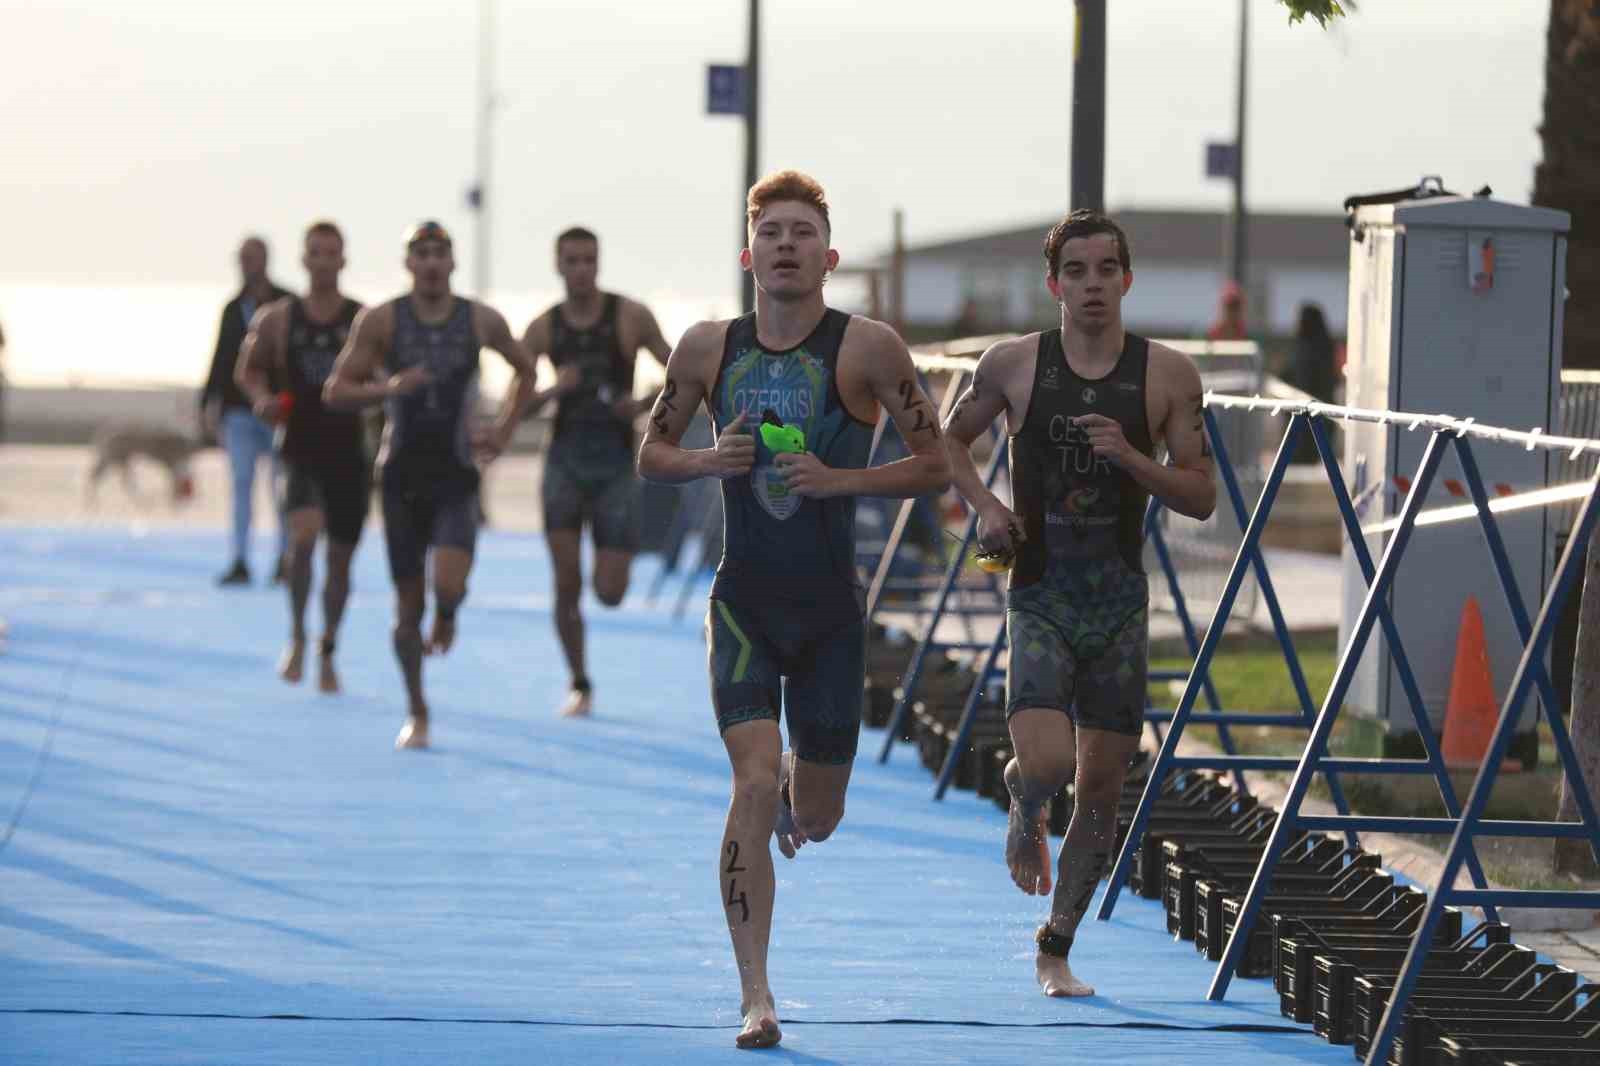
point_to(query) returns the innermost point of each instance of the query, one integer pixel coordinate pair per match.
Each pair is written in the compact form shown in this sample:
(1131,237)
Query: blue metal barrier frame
(1315,754)
(928,641)
(1374,610)
(1434,761)
(705,564)
(1314,759)
(990,671)
(1472,821)
(1248,557)
(671,549)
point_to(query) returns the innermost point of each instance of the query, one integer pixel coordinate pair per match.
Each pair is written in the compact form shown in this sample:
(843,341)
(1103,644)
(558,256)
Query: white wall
(1173,298)
(934,291)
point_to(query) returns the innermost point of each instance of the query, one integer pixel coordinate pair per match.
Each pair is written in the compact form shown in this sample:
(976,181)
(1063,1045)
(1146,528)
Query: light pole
(752,144)
(1237,249)
(478,195)
(1089,105)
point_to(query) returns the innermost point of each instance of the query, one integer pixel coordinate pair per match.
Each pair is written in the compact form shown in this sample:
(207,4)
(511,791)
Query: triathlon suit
(588,471)
(430,484)
(785,618)
(324,451)
(1077,608)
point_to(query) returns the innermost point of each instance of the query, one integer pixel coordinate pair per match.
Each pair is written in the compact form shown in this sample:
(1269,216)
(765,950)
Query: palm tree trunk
(1574,856)
(1568,177)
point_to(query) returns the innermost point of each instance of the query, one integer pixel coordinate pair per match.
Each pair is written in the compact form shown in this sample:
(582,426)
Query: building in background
(994,282)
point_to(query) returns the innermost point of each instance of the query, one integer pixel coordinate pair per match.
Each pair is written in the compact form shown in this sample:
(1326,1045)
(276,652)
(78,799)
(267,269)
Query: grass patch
(1250,675)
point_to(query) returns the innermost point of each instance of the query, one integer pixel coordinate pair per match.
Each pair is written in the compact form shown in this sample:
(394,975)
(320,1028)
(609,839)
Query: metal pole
(1289,817)
(1238,250)
(1445,892)
(752,145)
(1089,105)
(1201,668)
(480,197)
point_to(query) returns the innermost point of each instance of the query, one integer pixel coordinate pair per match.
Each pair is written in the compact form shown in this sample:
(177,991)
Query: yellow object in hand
(994,562)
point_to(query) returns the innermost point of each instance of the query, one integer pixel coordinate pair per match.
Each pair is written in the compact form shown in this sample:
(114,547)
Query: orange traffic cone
(1472,711)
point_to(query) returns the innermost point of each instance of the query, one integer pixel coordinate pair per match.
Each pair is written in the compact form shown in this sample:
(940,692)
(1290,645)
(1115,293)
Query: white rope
(961,355)
(1466,427)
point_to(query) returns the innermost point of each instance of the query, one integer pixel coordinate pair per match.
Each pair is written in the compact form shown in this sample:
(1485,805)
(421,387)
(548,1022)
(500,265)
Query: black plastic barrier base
(1334,927)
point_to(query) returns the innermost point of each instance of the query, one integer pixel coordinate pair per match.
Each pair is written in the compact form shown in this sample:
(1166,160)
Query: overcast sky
(141,139)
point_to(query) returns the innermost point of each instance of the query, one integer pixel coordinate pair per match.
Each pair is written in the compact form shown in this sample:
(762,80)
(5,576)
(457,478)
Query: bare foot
(578,704)
(1027,846)
(444,635)
(760,1027)
(327,676)
(1056,980)
(790,839)
(292,666)
(414,734)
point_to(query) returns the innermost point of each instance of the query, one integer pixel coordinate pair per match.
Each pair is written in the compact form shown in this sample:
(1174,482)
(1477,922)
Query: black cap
(427,230)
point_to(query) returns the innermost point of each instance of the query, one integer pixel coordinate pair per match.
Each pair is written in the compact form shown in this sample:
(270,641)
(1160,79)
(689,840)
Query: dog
(117,444)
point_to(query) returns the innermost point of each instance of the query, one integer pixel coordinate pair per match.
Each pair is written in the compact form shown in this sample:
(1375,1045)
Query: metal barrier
(1463,824)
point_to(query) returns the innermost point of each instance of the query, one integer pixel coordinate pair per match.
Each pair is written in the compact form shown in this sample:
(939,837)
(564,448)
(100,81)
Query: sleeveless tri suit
(785,618)
(323,450)
(1077,606)
(588,472)
(430,482)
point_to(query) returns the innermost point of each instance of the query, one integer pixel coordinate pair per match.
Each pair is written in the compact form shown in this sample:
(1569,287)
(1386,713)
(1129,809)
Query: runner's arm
(983,402)
(355,382)
(536,339)
(1184,483)
(661,458)
(262,349)
(497,335)
(652,340)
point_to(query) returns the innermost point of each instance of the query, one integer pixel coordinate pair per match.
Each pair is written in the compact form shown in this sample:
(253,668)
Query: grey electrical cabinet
(1455,308)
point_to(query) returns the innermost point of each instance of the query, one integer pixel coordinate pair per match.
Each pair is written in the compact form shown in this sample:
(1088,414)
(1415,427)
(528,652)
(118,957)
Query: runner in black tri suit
(1085,406)
(418,354)
(784,627)
(296,340)
(594,337)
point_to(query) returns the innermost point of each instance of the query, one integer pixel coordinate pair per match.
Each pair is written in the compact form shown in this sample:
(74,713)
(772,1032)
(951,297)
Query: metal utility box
(1455,308)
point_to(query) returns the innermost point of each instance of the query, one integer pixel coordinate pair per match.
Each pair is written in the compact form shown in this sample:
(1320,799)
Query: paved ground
(45,484)
(208,866)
